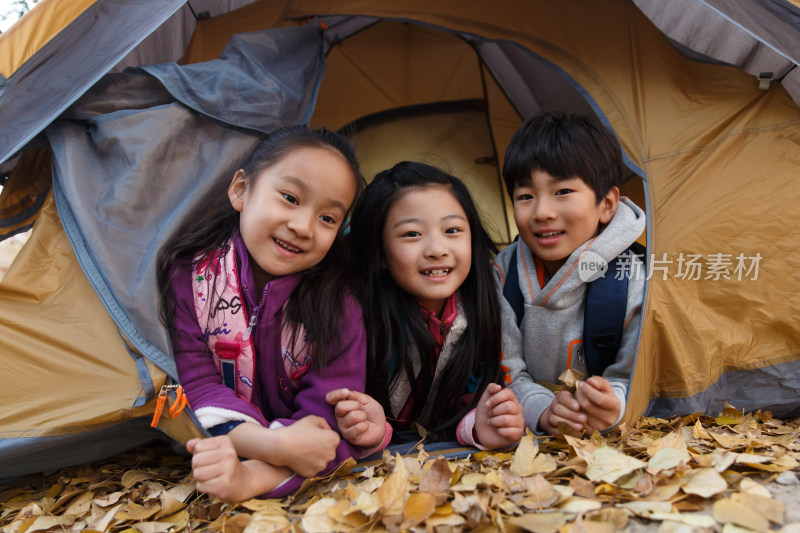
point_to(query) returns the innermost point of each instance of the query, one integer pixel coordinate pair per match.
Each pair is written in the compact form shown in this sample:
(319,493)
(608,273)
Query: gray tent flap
(129,163)
(237,90)
(772,388)
(35,94)
(758,37)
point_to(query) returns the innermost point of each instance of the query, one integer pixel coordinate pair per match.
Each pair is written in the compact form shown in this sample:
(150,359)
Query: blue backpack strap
(604,318)
(511,290)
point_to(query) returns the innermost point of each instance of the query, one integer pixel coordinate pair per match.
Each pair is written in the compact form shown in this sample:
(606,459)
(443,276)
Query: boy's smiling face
(554,217)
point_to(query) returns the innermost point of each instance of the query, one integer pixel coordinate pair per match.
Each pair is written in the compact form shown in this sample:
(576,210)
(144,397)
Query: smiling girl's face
(291,211)
(427,245)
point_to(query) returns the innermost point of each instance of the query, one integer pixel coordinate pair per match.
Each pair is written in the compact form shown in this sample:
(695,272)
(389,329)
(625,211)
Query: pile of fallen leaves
(687,474)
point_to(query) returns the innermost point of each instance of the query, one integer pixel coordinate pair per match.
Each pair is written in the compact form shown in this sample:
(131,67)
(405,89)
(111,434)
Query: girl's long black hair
(393,319)
(316,301)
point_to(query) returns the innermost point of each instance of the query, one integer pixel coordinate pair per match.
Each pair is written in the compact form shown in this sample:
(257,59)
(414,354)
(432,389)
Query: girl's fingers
(353,418)
(505,421)
(346,406)
(335,396)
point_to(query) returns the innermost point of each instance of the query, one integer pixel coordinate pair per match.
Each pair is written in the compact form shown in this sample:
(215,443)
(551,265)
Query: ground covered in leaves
(695,473)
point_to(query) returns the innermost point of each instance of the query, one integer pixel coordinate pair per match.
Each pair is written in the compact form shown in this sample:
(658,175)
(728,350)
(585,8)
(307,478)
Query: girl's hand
(360,417)
(564,408)
(498,418)
(307,446)
(218,471)
(598,402)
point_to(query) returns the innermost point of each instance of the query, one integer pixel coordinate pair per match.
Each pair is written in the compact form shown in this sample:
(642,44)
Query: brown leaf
(570,378)
(169,505)
(582,487)
(540,493)
(132,477)
(608,464)
(134,511)
(540,522)
(109,499)
(419,506)
(522,463)
(616,517)
(103,520)
(705,482)
(392,494)
(728,512)
(768,507)
(438,477)
(267,522)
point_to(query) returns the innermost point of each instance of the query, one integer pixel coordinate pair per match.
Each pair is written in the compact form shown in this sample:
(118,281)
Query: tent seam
(719,141)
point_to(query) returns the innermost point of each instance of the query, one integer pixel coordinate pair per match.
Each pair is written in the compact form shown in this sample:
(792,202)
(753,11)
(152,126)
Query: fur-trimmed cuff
(214,416)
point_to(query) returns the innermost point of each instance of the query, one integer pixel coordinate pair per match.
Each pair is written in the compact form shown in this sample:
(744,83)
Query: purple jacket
(275,397)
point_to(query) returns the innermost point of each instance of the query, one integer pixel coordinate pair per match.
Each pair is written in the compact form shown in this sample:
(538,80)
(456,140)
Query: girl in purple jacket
(262,325)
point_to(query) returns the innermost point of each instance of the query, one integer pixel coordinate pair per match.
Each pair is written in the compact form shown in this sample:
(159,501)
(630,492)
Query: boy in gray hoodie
(563,174)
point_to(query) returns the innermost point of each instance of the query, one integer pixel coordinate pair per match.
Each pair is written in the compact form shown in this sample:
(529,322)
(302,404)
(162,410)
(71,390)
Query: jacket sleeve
(212,402)
(533,397)
(346,370)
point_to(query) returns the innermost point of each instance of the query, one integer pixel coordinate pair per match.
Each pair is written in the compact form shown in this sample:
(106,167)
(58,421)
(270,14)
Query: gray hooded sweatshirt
(551,334)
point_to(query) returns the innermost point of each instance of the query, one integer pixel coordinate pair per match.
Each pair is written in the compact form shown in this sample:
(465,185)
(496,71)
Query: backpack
(603,316)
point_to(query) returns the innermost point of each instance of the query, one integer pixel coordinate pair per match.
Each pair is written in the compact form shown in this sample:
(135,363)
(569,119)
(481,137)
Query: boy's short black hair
(565,146)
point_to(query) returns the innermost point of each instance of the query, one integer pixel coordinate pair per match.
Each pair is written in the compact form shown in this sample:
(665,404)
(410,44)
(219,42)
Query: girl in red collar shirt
(421,271)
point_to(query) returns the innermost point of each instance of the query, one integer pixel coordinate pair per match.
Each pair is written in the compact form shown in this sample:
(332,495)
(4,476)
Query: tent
(103,161)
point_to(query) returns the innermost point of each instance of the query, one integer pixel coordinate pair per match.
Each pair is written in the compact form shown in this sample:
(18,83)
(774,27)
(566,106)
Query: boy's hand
(598,402)
(498,418)
(306,447)
(360,417)
(564,408)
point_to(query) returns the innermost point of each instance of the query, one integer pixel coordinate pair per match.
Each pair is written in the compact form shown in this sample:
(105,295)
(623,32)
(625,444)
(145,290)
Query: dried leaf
(582,487)
(438,477)
(544,464)
(265,506)
(705,482)
(103,520)
(43,523)
(527,449)
(365,503)
(691,519)
(267,522)
(616,517)
(419,506)
(132,477)
(666,459)
(392,494)
(109,499)
(182,491)
(153,527)
(134,511)
(540,493)
(570,378)
(580,505)
(169,505)
(608,464)
(751,487)
(728,512)
(540,522)
(179,520)
(646,509)
(767,507)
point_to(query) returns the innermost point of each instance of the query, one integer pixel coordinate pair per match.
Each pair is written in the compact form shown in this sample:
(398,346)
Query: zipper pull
(250,327)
